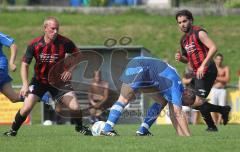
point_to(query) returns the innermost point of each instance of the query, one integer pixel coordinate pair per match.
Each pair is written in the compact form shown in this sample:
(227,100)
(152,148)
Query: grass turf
(38,138)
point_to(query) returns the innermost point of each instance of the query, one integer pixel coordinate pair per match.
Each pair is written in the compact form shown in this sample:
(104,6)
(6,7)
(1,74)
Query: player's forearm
(174,120)
(183,129)
(209,56)
(24,73)
(105,95)
(222,79)
(186,81)
(71,61)
(183,59)
(13,48)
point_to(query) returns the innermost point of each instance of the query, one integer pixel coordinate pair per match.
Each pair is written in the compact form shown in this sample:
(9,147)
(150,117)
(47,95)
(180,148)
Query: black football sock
(214,108)
(19,119)
(205,111)
(76,117)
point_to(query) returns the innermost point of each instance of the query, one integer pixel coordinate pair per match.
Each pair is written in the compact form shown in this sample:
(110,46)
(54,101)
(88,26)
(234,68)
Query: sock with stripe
(114,115)
(150,118)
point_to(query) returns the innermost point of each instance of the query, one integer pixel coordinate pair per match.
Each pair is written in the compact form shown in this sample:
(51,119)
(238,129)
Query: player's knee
(92,111)
(14,99)
(74,106)
(25,111)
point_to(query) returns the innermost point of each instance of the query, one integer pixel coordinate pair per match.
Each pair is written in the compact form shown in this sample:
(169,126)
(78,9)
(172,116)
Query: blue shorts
(167,81)
(4,77)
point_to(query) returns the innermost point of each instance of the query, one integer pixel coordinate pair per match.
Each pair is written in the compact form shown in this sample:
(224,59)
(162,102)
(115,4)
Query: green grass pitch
(38,138)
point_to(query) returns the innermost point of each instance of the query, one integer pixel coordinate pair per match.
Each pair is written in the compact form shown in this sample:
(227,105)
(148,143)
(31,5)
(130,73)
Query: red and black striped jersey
(193,48)
(47,55)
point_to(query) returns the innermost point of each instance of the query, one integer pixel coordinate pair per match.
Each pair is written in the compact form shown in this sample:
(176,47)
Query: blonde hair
(51,18)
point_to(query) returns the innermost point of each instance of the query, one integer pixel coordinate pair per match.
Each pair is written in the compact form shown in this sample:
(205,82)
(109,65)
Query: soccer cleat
(148,133)
(83,130)
(109,133)
(10,133)
(225,114)
(212,129)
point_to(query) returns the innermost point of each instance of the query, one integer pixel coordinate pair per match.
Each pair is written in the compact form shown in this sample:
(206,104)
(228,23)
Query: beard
(185,29)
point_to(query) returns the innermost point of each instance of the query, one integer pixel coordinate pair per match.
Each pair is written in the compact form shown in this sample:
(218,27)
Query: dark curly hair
(186,13)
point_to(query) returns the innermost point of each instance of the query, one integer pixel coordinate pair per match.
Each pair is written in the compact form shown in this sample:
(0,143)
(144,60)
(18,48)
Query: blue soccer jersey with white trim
(7,41)
(143,72)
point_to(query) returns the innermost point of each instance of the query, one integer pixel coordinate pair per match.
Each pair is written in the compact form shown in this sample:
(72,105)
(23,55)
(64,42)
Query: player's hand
(13,67)
(24,91)
(200,72)
(178,56)
(66,75)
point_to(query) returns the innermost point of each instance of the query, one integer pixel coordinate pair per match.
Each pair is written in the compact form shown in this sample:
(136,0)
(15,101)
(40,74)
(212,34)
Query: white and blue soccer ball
(97,128)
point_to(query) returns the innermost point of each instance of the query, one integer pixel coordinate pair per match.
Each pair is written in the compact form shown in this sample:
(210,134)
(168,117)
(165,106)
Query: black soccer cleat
(225,114)
(148,133)
(10,133)
(109,133)
(212,129)
(83,130)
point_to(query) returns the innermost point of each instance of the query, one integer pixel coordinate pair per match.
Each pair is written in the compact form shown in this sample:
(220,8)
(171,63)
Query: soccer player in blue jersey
(5,79)
(162,83)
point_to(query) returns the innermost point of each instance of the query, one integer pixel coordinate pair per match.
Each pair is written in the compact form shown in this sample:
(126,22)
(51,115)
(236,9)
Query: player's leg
(92,112)
(205,110)
(22,114)
(187,111)
(195,116)
(127,94)
(6,87)
(9,92)
(151,115)
(36,92)
(203,87)
(222,102)
(214,100)
(70,100)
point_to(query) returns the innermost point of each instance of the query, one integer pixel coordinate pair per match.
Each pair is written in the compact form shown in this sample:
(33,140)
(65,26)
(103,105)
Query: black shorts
(39,89)
(203,86)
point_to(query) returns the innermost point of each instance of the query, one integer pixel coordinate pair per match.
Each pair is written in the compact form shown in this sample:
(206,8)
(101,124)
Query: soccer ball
(97,128)
(47,123)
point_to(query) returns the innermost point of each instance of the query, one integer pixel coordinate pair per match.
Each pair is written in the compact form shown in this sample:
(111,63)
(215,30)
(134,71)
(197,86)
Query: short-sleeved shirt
(143,72)
(47,55)
(7,41)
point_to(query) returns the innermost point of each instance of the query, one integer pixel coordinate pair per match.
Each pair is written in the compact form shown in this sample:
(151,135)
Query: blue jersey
(7,41)
(143,72)
(4,77)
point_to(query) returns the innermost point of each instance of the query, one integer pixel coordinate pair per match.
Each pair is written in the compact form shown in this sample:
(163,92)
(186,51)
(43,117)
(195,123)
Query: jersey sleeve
(28,56)
(199,30)
(70,47)
(6,40)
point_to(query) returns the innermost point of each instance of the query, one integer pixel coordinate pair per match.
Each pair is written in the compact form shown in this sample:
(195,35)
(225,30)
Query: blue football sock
(150,118)
(114,115)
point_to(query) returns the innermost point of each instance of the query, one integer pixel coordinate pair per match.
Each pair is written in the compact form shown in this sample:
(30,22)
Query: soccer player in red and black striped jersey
(198,49)
(47,50)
